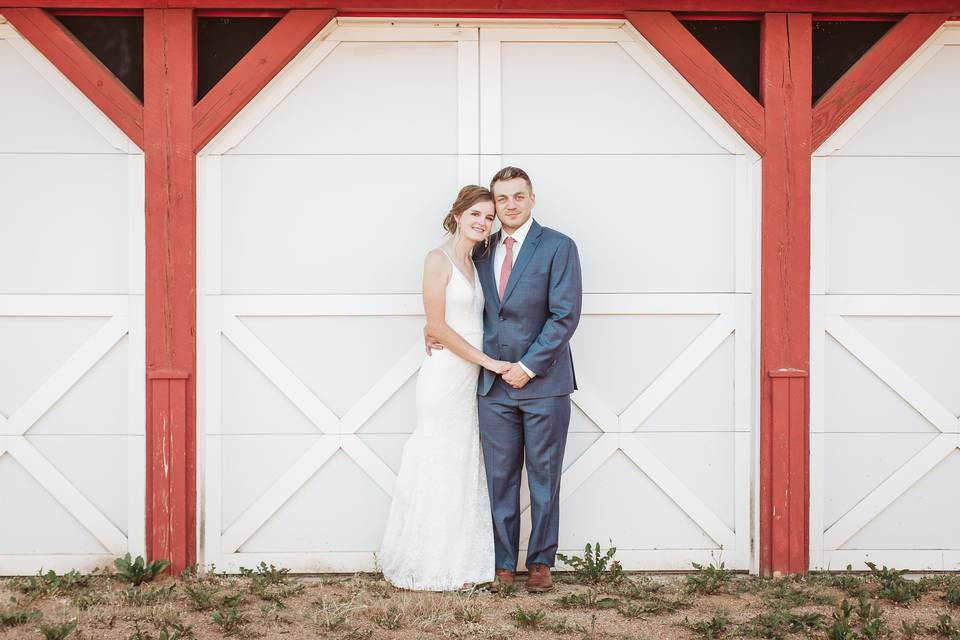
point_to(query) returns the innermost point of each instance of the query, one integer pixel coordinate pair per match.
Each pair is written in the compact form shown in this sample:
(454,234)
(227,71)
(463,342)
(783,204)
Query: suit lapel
(523,259)
(485,267)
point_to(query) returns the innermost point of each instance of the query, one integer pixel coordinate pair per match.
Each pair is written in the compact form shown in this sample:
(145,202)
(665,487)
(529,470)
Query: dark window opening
(222,42)
(735,44)
(116,41)
(837,45)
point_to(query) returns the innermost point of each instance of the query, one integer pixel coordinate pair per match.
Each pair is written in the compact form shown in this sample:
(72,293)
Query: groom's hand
(430,342)
(516,377)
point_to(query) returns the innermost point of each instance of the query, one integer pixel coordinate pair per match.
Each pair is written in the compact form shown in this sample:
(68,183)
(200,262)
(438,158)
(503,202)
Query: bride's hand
(497,366)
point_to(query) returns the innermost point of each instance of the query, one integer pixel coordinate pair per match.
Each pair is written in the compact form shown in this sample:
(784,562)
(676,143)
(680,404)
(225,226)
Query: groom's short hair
(509,173)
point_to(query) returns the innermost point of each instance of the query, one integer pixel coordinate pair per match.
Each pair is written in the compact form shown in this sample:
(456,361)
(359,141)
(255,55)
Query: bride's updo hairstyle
(468,196)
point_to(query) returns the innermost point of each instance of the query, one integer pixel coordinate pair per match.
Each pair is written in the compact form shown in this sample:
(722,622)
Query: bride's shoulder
(436,261)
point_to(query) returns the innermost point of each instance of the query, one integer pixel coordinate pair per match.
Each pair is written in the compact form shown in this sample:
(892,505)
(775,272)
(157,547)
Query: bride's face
(477,221)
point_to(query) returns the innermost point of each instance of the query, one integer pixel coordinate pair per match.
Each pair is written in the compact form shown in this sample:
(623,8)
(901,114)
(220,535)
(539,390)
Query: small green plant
(709,579)
(841,628)
(528,618)
(506,590)
(894,587)
(49,583)
(715,627)
(201,597)
(953,595)
(17,617)
(779,623)
(594,567)
(872,625)
(58,630)
(910,630)
(137,597)
(559,627)
(635,610)
(852,584)
(587,600)
(390,618)
(138,571)
(228,615)
(468,612)
(637,587)
(946,627)
(267,574)
(585,632)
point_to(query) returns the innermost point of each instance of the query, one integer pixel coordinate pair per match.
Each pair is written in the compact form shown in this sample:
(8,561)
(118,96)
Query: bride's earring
(486,242)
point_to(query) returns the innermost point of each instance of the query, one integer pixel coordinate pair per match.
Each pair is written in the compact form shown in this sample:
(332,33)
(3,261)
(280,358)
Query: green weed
(594,567)
(709,579)
(139,571)
(528,618)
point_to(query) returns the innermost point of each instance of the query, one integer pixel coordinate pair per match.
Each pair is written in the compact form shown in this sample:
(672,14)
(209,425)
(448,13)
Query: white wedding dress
(439,534)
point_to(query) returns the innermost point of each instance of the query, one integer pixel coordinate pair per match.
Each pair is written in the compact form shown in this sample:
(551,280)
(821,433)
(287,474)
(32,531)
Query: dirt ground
(267,602)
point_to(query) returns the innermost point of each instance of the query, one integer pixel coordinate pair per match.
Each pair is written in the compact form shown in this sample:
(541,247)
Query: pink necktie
(507,265)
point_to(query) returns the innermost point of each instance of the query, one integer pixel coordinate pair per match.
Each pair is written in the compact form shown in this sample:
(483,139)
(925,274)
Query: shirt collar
(520,234)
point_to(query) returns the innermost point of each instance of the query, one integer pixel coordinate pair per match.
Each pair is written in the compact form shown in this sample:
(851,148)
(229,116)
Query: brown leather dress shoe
(539,578)
(502,576)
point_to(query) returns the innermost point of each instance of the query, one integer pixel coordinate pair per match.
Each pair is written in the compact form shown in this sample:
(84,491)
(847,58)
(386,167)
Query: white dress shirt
(500,254)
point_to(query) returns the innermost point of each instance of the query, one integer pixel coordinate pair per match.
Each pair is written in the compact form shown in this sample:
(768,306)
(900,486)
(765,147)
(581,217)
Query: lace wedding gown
(439,533)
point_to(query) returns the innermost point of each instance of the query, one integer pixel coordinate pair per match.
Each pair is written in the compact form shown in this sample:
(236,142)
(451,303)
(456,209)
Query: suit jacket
(539,312)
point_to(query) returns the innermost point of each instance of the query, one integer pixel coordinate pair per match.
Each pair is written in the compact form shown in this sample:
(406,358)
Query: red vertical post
(169,89)
(786,85)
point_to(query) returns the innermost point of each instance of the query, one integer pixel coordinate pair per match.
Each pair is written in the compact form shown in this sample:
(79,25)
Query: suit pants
(512,430)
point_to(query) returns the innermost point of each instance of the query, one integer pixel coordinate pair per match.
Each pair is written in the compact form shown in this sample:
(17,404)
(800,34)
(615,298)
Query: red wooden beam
(786,85)
(81,67)
(701,69)
(245,80)
(493,7)
(871,71)
(171,281)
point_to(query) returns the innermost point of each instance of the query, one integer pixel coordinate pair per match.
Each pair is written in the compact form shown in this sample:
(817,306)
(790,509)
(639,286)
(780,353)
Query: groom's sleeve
(564,301)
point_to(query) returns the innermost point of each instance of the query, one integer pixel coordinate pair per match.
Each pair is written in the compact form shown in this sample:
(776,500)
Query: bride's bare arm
(437,272)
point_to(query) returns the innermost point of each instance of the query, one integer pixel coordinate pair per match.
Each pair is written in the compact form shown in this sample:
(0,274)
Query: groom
(531,284)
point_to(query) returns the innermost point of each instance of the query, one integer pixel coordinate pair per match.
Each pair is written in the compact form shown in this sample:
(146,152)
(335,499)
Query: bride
(439,534)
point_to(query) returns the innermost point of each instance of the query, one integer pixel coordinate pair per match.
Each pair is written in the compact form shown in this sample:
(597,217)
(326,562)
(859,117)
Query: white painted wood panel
(368,97)
(71,324)
(310,243)
(549,90)
(885,325)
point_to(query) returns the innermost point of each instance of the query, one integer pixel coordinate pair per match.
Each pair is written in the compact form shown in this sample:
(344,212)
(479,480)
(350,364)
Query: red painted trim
(525,7)
(702,70)
(464,15)
(81,67)
(733,17)
(100,13)
(786,84)
(596,7)
(832,17)
(759,16)
(281,44)
(871,71)
(239,13)
(171,280)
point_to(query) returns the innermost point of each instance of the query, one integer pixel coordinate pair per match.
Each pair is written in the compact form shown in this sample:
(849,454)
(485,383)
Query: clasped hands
(513,374)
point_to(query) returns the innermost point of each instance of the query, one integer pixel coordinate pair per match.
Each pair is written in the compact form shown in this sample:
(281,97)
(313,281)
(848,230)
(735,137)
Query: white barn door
(317,206)
(885,325)
(71,324)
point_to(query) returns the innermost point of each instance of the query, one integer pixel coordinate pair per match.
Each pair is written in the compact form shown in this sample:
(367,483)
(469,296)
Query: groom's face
(514,203)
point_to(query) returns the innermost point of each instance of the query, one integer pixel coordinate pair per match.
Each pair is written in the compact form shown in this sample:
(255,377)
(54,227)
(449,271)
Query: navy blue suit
(533,323)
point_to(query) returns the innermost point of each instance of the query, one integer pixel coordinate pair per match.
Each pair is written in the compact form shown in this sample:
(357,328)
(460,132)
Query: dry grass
(708,603)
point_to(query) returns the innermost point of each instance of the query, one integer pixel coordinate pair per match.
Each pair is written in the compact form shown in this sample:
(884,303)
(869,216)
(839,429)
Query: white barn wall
(71,324)
(309,304)
(885,335)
